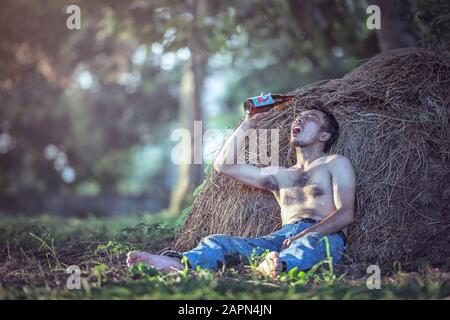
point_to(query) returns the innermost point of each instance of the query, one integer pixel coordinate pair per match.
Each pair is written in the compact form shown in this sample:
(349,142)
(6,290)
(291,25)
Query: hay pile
(393,112)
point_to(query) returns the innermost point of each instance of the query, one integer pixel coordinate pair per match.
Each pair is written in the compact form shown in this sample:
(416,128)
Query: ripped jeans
(217,250)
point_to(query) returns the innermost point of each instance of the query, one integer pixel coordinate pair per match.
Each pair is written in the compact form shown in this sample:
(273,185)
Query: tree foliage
(86,109)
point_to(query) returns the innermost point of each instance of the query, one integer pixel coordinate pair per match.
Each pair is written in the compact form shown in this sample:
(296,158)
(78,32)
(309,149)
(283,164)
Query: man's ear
(324,136)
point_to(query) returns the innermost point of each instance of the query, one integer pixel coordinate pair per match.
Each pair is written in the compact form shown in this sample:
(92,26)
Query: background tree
(88,112)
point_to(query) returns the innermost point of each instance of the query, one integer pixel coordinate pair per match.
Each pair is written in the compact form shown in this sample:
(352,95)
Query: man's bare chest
(299,186)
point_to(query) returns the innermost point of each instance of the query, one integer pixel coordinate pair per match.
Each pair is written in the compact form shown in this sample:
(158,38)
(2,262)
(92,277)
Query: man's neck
(306,155)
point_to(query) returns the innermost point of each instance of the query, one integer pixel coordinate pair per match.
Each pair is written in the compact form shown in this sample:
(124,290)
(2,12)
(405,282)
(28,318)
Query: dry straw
(393,112)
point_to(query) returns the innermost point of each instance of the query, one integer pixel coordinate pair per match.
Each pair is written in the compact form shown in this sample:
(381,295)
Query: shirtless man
(316,197)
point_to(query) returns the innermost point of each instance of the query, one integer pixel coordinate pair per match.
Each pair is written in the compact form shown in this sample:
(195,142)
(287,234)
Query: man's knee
(217,238)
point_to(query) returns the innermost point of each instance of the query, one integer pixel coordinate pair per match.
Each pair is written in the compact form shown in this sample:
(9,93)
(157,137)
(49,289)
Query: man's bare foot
(271,265)
(162,263)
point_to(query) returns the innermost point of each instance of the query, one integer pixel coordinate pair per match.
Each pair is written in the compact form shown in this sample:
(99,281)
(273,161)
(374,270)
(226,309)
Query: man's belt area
(313,221)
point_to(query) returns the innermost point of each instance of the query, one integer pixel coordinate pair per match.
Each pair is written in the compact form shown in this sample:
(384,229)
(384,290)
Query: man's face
(306,129)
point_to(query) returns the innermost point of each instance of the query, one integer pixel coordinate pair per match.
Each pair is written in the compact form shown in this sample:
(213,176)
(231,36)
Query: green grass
(35,253)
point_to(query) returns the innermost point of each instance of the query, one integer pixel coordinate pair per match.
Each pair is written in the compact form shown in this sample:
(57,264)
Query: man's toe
(133,257)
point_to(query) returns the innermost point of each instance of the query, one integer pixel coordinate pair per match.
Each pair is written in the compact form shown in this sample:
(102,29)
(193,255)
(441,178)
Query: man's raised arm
(227,160)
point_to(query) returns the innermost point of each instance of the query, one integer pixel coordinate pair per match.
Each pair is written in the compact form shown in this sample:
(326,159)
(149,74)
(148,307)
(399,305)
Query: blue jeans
(217,250)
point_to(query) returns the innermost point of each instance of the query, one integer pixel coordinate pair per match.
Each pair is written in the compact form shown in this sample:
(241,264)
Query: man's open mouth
(296,129)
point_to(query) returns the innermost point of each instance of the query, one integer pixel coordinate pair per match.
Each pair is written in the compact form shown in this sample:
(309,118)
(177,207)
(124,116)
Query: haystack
(394,116)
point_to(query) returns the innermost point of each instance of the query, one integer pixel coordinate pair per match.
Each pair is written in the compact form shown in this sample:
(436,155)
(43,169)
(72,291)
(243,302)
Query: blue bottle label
(260,101)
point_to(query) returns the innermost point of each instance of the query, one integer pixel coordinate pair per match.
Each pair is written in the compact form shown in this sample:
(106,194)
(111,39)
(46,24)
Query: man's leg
(309,250)
(217,250)
(162,263)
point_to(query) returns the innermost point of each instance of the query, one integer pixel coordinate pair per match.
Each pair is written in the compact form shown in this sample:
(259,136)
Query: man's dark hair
(331,124)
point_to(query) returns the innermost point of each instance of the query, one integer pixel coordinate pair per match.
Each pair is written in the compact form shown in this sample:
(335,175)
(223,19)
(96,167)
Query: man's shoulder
(338,160)
(336,157)
(339,165)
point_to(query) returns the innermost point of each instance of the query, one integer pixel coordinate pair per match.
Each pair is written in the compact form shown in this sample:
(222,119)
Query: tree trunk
(396,25)
(191,175)
(199,57)
(186,100)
